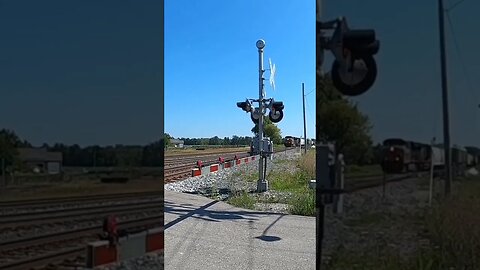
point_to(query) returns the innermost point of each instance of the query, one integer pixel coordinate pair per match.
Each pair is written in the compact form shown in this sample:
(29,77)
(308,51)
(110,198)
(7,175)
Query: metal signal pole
(446,126)
(262,183)
(304,120)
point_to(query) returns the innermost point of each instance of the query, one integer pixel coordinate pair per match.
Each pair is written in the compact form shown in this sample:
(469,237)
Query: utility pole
(446,126)
(304,120)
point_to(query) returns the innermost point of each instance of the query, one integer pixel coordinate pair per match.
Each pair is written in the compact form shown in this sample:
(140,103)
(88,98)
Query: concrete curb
(134,245)
(218,167)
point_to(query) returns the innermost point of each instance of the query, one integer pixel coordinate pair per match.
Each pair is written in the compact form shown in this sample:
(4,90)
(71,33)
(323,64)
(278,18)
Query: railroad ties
(56,232)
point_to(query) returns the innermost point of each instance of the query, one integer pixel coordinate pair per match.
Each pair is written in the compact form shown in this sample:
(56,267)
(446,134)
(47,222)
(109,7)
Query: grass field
(171,152)
(192,151)
(352,171)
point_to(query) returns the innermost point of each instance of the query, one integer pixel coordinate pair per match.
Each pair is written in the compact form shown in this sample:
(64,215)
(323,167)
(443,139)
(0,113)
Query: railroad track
(75,220)
(362,183)
(55,248)
(208,159)
(175,160)
(79,199)
(183,170)
(8,221)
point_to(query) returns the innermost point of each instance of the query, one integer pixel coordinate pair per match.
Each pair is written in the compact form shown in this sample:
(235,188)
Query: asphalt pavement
(201,233)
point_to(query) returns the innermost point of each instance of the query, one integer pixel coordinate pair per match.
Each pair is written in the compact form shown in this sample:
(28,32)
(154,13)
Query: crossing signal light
(357,71)
(361,42)
(354,69)
(255,115)
(245,105)
(276,111)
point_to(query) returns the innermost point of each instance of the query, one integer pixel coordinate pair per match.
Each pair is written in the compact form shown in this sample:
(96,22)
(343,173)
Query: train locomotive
(291,141)
(399,156)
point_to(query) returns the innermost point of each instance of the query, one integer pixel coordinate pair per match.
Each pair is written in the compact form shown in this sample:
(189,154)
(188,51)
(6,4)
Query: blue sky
(406,99)
(91,72)
(211,62)
(86,72)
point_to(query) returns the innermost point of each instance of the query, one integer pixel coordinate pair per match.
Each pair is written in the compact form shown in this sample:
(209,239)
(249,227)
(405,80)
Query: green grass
(454,226)
(307,162)
(279,147)
(288,182)
(243,200)
(303,203)
(184,151)
(301,199)
(353,171)
(281,161)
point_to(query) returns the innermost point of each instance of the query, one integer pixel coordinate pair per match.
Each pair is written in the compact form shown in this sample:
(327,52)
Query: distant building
(40,160)
(177,143)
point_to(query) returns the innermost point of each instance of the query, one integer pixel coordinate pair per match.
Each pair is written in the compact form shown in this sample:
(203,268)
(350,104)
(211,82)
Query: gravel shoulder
(373,226)
(222,184)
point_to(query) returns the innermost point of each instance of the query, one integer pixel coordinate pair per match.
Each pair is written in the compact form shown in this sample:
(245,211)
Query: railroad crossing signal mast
(257,114)
(353,72)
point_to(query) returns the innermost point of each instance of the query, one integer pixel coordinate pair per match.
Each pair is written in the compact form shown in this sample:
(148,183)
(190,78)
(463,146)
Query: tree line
(235,140)
(150,155)
(271,130)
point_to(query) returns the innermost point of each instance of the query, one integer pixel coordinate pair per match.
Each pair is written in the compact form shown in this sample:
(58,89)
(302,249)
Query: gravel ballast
(232,179)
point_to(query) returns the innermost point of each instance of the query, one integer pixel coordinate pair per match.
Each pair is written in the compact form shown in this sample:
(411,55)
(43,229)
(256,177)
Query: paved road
(204,234)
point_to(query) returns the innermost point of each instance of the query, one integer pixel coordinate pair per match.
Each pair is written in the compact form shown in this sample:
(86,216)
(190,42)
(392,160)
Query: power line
(454,5)
(457,49)
(309,92)
(308,111)
(464,67)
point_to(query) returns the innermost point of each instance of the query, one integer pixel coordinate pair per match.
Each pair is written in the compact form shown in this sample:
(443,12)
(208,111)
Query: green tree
(270,130)
(166,139)
(226,141)
(340,121)
(153,154)
(214,141)
(9,142)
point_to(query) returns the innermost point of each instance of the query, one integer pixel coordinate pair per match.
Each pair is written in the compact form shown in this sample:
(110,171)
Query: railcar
(438,157)
(399,155)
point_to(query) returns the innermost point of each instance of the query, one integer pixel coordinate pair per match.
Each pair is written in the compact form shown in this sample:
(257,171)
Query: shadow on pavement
(185,211)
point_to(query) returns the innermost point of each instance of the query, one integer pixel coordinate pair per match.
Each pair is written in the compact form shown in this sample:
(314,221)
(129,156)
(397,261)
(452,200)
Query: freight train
(291,141)
(400,156)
